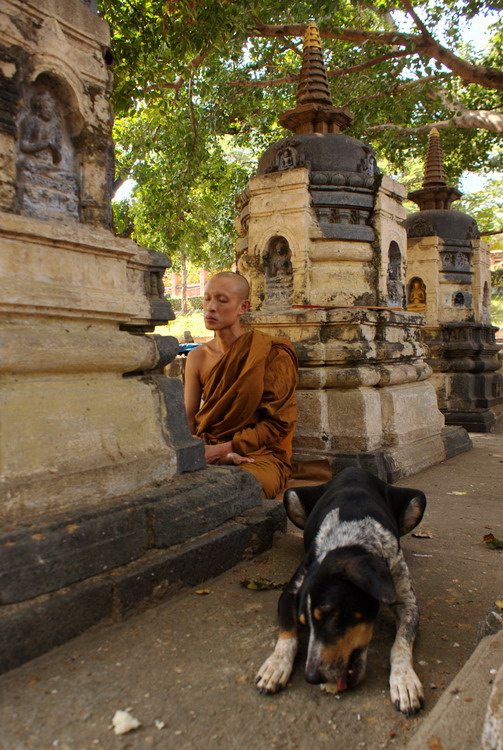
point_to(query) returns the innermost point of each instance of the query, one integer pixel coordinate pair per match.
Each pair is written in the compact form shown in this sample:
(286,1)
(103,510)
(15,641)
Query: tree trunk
(183,264)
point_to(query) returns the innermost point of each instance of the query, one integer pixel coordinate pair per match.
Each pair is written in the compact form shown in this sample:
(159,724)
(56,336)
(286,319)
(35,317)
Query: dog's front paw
(274,673)
(406,691)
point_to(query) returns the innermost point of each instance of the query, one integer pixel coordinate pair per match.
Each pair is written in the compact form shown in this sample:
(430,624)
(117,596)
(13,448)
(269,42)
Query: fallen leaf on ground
(499,603)
(421,534)
(492,542)
(455,492)
(202,592)
(261,584)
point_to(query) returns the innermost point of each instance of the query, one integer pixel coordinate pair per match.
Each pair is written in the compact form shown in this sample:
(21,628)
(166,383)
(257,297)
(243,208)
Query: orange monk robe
(250,398)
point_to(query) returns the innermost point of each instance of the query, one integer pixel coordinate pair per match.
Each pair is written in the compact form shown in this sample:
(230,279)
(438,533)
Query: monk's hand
(214,453)
(234,459)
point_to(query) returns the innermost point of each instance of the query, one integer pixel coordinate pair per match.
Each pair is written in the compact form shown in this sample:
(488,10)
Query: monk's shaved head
(238,283)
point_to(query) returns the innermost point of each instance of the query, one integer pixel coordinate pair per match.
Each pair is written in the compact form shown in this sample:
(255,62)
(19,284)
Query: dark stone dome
(448,224)
(332,159)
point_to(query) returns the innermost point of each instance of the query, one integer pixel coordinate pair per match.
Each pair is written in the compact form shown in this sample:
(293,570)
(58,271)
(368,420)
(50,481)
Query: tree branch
(192,113)
(420,25)
(397,89)
(192,66)
(481,119)
(336,72)
(423,44)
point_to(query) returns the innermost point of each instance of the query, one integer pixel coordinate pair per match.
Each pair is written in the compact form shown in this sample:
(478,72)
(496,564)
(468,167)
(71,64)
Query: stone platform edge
(61,576)
(469,714)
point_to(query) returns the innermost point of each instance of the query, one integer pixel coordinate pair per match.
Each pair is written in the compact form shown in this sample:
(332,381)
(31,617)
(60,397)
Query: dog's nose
(313,675)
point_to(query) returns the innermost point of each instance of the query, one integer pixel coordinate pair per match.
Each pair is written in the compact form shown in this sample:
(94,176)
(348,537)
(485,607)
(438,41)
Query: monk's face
(223,303)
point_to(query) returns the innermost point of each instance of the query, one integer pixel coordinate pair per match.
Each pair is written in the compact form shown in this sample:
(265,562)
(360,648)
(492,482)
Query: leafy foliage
(486,208)
(199,85)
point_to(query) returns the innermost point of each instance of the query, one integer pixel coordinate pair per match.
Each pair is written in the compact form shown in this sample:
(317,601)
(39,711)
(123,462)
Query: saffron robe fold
(249,398)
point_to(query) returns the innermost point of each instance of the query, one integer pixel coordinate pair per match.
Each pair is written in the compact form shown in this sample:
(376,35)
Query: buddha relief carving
(459,299)
(47,183)
(41,129)
(287,157)
(278,273)
(417,296)
(461,261)
(420,228)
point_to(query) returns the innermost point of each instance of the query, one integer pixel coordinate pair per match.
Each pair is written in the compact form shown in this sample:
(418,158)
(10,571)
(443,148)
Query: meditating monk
(247,383)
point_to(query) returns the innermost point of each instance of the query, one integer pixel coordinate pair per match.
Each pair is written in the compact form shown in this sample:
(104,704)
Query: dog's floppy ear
(299,502)
(408,507)
(365,570)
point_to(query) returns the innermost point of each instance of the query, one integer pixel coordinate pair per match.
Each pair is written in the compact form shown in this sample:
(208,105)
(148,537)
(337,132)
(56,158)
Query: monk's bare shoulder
(202,357)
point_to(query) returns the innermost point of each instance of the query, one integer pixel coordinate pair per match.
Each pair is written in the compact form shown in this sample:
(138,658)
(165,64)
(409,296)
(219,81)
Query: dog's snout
(313,675)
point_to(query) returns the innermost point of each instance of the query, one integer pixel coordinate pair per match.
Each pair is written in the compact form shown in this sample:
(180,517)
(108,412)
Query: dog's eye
(323,612)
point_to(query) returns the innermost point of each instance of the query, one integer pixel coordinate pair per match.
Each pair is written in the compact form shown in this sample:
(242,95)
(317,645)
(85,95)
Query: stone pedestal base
(85,415)
(467,374)
(473,400)
(364,391)
(63,575)
(393,463)
(476,420)
(392,431)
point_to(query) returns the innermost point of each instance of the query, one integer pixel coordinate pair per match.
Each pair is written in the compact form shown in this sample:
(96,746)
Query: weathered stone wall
(106,501)
(86,414)
(58,49)
(324,271)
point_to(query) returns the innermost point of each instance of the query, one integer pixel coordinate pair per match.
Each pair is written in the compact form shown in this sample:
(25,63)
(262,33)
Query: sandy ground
(186,668)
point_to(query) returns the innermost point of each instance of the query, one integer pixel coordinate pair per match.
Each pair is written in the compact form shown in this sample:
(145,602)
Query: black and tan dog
(353,561)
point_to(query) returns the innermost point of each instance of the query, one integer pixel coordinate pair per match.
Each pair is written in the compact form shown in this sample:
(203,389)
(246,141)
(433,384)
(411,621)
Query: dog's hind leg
(405,687)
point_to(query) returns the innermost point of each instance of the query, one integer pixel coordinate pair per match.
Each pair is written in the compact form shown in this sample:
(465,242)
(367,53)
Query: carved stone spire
(313,81)
(435,194)
(434,173)
(314,112)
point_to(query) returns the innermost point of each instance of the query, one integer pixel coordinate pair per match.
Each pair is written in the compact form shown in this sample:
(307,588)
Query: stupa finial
(312,36)
(434,173)
(314,112)
(435,193)
(313,80)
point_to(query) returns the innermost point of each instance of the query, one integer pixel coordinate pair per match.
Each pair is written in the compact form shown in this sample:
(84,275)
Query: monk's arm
(192,389)
(278,408)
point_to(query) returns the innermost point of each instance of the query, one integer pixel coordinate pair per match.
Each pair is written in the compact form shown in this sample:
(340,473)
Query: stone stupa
(322,243)
(449,282)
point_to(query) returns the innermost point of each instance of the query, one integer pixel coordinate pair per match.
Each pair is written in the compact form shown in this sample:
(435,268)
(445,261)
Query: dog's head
(339,601)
